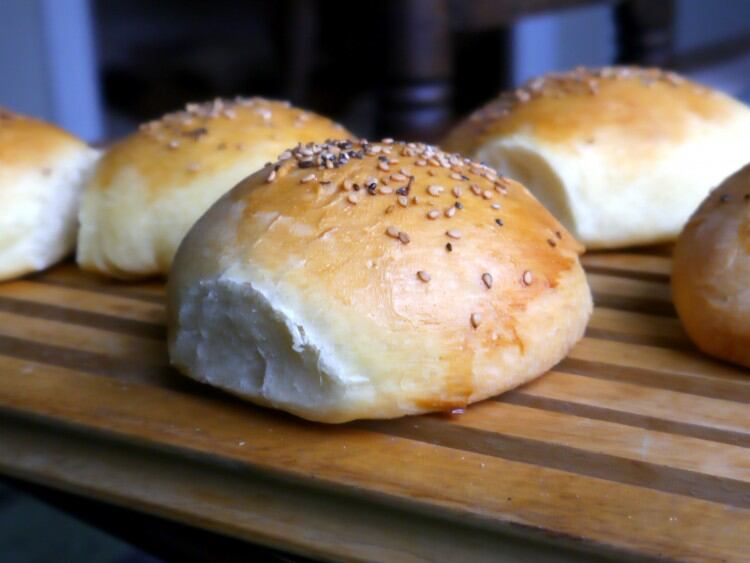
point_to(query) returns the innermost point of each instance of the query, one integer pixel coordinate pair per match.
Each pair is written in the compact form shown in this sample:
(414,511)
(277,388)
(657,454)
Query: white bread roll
(42,171)
(374,281)
(622,156)
(711,272)
(153,185)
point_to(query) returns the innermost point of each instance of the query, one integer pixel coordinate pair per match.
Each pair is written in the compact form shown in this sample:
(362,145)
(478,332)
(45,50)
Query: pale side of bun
(153,185)
(711,272)
(42,172)
(400,280)
(622,156)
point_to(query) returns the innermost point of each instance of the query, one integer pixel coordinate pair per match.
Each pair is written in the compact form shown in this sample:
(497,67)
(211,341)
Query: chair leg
(414,99)
(645,31)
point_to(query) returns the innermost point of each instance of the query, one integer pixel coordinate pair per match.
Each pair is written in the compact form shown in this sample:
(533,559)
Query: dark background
(405,68)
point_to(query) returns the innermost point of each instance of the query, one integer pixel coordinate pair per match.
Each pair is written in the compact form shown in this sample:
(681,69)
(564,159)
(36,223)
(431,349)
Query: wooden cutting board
(635,445)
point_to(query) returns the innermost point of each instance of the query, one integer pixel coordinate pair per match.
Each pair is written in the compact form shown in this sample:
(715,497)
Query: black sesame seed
(449,247)
(403,191)
(499,222)
(459,205)
(306,164)
(747,197)
(196,133)
(724,198)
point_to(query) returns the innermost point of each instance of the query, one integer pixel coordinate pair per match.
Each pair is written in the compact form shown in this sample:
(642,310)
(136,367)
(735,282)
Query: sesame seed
(433,214)
(456,191)
(392,232)
(398,177)
(389,209)
(527,278)
(347,185)
(724,198)
(387,141)
(475,189)
(458,205)
(434,190)
(415,200)
(487,194)
(487,280)
(385,190)
(424,276)
(456,176)
(383,166)
(421,163)
(476,319)
(308,178)
(558,234)
(433,162)
(351,198)
(404,237)
(272,176)
(495,206)
(174,143)
(449,247)
(403,201)
(453,233)
(499,222)
(450,212)
(551,242)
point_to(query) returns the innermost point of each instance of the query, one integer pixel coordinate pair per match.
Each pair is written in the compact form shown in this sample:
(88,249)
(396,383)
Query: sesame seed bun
(380,285)
(711,272)
(622,156)
(153,185)
(42,170)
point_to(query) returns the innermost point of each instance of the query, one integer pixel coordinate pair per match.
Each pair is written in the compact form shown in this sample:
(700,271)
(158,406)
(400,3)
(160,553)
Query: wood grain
(636,445)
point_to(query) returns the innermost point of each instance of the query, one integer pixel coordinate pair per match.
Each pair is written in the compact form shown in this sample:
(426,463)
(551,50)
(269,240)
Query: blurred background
(402,68)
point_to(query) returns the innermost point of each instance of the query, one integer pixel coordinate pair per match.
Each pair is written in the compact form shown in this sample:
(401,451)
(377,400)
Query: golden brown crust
(642,103)
(711,273)
(520,236)
(431,278)
(207,137)
(26,142)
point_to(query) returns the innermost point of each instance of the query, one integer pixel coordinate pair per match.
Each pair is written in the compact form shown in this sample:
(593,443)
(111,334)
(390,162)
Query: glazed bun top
(206,138)
(643,109)
(350,209)
(27,143)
